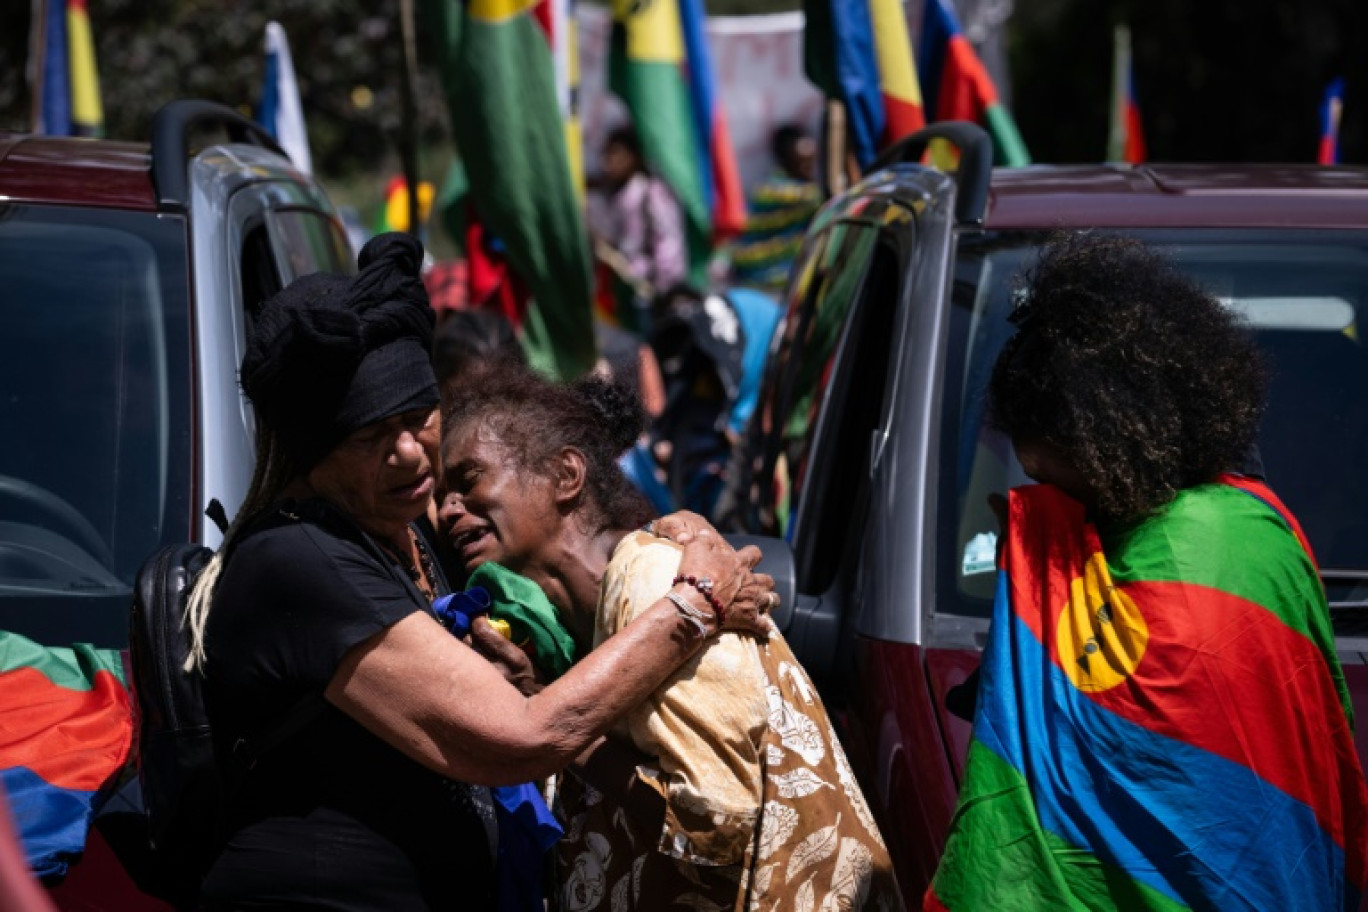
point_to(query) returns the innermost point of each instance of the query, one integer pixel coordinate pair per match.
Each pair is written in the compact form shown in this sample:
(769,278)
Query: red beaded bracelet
(704,587)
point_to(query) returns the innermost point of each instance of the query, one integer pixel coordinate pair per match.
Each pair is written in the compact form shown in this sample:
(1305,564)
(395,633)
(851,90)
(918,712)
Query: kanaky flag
(69,87)
(859,53)
(1126,140)
(660,67)
(958,87)
(1162,722)
(516,178)
(1331,110)
(66,728)
(282,111)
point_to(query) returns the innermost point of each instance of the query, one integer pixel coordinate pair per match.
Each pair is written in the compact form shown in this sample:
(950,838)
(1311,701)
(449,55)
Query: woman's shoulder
(639,573)
(295,537)
(641,547)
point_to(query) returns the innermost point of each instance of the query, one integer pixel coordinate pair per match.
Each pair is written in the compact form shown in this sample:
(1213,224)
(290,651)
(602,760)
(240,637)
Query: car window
(1302,293)
(95,386)
(835,472)
(820,299)
(306,241)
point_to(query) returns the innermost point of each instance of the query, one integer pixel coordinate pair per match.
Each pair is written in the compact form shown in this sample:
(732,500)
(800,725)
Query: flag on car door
(66,727)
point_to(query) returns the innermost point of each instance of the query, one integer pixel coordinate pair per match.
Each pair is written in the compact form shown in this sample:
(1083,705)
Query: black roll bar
(975,169)
(172,127)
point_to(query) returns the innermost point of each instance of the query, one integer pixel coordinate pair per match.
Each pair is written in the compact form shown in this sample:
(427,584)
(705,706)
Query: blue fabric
(857,71)
(51,821)
(457,610)
(56,102)
(638,464)
(527,828)
(701,93)
(270,96)
(759,315)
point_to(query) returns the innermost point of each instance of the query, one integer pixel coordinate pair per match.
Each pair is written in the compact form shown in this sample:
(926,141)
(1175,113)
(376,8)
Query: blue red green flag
(957,84)
(66,727)
(1162,722)
(1332,108)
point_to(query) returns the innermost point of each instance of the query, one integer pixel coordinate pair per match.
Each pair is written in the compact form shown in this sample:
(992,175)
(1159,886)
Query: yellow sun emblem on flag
(1101,635)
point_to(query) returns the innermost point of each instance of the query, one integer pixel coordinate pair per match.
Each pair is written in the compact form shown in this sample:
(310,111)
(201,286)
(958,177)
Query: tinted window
(1303,293)
(306,242)
(95,443)
(820,299)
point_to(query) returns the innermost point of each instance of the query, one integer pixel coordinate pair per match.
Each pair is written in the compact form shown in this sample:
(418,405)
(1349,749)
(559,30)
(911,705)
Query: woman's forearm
(443,705)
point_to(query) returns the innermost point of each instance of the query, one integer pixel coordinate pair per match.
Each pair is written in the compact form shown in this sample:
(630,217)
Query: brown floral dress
(762,810)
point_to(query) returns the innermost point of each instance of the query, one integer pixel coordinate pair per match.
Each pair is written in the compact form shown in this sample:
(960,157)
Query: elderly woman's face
(383,475)
(493,509)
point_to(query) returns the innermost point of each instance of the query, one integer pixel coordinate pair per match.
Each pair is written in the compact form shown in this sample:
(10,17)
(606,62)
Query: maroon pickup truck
(869,454)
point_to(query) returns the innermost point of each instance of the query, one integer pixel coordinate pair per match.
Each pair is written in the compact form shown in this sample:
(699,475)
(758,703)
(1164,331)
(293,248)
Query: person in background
(780,209)
(465,338)
(639,232)
(727,789)
(1162,721)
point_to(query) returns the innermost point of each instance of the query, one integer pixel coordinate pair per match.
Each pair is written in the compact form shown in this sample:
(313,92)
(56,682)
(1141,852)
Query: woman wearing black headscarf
(320,595)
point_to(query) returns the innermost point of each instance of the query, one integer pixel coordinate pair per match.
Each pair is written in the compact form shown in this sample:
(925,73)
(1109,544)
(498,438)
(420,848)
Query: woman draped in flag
(1162,722)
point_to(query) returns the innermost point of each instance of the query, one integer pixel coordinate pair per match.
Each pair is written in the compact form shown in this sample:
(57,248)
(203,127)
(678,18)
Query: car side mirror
(778,563)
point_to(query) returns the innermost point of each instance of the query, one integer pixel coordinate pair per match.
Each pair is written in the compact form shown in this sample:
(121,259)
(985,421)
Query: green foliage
(152,51)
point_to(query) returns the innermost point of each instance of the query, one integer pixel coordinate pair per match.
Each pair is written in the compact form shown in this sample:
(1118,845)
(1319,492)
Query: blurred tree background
(1219,80)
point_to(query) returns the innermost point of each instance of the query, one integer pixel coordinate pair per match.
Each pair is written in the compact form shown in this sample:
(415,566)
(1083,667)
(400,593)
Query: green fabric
(1008,147)
(532,619)
(73,667)
(1205,537)
(657,97)
(1005,860)
(501,92)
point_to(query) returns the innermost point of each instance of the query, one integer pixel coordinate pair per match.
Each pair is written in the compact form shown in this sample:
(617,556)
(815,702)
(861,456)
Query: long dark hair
(535,418)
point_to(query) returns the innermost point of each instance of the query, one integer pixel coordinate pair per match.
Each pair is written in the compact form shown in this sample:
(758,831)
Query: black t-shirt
(334,817)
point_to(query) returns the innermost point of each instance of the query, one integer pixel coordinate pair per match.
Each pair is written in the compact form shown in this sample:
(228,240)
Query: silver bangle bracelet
(689,613)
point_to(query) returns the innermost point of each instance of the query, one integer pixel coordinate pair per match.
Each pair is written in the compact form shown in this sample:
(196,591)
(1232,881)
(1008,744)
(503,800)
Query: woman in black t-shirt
(321,594)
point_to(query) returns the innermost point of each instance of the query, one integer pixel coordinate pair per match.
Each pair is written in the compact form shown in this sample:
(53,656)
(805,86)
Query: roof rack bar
(171,131)
(975,169)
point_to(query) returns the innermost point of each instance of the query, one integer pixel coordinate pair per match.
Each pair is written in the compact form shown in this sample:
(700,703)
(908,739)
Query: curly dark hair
(535,417)
(1132,369)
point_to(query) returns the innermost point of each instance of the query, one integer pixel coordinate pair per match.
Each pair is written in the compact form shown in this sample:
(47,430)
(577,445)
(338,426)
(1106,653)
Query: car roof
(67,170)
(1160,196)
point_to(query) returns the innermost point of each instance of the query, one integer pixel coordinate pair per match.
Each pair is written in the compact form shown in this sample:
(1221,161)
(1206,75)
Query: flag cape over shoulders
(1162,723)
(66,727)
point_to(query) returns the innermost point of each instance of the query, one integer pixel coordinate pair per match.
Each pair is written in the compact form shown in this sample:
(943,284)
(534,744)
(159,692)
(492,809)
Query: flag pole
(408,125)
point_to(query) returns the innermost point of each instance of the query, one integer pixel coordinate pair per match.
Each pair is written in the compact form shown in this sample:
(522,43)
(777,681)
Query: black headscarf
(331,354)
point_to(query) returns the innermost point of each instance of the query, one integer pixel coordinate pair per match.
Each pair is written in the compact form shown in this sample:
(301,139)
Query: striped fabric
(1162,722)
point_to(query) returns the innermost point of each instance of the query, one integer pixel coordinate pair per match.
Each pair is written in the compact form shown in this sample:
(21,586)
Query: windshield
(95,443)
(1303,294)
